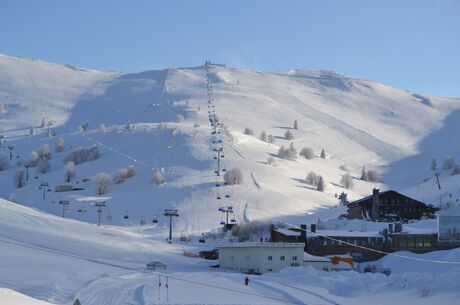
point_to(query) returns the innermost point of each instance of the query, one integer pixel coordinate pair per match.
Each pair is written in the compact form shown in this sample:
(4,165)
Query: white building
(255,257)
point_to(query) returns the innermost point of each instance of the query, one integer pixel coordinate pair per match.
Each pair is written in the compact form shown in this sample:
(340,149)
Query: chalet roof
(353,203)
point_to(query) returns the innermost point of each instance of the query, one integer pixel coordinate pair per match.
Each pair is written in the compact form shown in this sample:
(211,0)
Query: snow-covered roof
(260,245)
(344,233)
(307,257)
(288,232)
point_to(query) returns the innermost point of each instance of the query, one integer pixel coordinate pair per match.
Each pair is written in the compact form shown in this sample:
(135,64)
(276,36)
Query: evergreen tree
(296,125)
(320,187)
(323,154)
(364,174)
(434,164)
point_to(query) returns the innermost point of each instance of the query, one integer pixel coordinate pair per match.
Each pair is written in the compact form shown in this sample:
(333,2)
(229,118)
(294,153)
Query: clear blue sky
(411,44)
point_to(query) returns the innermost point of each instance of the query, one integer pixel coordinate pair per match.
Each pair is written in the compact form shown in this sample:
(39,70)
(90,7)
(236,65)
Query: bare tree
(248,131)
(158,178)
(179,118)
(102,183)
(44,166)
(312,178)
(347,181)
(132,171)
(44,152)
(69,171)
(289,135)
(434,165)
(233,176)
(307,153)
(448,164)
(20,178)
(270,139)
(120,175)
(60,145)
(81,155)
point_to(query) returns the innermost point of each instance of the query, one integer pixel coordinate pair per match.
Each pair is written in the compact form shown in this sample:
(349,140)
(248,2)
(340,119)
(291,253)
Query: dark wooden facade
(388,206)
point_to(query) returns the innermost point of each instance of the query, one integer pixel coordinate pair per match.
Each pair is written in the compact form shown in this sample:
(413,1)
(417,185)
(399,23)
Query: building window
(270,258)
(282,257)
(294,258)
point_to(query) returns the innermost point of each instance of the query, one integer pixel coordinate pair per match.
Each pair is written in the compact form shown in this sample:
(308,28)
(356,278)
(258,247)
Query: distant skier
(246,281)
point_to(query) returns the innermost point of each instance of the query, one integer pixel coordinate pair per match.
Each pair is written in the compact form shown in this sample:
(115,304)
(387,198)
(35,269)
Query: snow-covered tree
(307,153)
(69,171)
(456,170)
(364,174)
(372,175)
(233,176)
(312,178)
(60,145)
(102,128)
(81,155)
(3,162)
(33,159)
(288,153)
(248,131)
(102,183)
(263,136)
(347,181)
(132,171)
(289,135)
(179,118)
(321,184)
(434,165)
(130,126)
(44,166)
(44,152)
(120,175)
(270,139)
(449,163)
(20,178)
(158,178)
(323,154)
(296,125)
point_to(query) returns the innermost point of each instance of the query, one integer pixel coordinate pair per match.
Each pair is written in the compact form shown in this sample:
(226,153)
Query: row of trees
(448,165)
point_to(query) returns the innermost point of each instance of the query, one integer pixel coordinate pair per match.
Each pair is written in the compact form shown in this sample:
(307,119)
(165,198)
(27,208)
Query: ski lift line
(365,248)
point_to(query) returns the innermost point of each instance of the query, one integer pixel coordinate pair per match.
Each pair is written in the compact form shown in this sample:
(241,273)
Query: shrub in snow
(263,136)
(158,178)
(347,181)
(69,171)
(250,230)
(102,183)
(289,135)
(20,178)
(312,178)
(59,145)
(179,118)
(343,167)
(132,171)
(296,125)
(448,164)
(120,175)
(33,159)
(434,165)
(323,154)
(3,163)
(270,160)
(248,131)
(307,153)
(44,152)
(81,155)
(43,166)
(270,139)
(233,176)
(372,176)
(102,128)
(321,184)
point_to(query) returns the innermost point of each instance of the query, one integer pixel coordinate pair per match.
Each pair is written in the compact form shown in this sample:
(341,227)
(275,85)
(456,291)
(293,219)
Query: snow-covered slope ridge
(357,122)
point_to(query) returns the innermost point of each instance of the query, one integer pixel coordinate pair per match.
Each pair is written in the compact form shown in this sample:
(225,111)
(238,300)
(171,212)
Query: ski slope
(357,122)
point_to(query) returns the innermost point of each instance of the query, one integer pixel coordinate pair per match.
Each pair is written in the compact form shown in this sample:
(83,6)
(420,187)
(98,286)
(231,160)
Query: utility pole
(219,152)
(11,148)
(64,203)
(27,171)
(170,213)
(99,205)
(44,186)
(226,211)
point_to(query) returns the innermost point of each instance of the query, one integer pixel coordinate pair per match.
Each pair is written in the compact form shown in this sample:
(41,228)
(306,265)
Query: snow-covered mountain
(357,122)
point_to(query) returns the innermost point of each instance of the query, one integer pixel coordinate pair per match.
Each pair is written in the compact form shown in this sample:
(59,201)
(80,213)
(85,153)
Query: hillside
(357,122)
